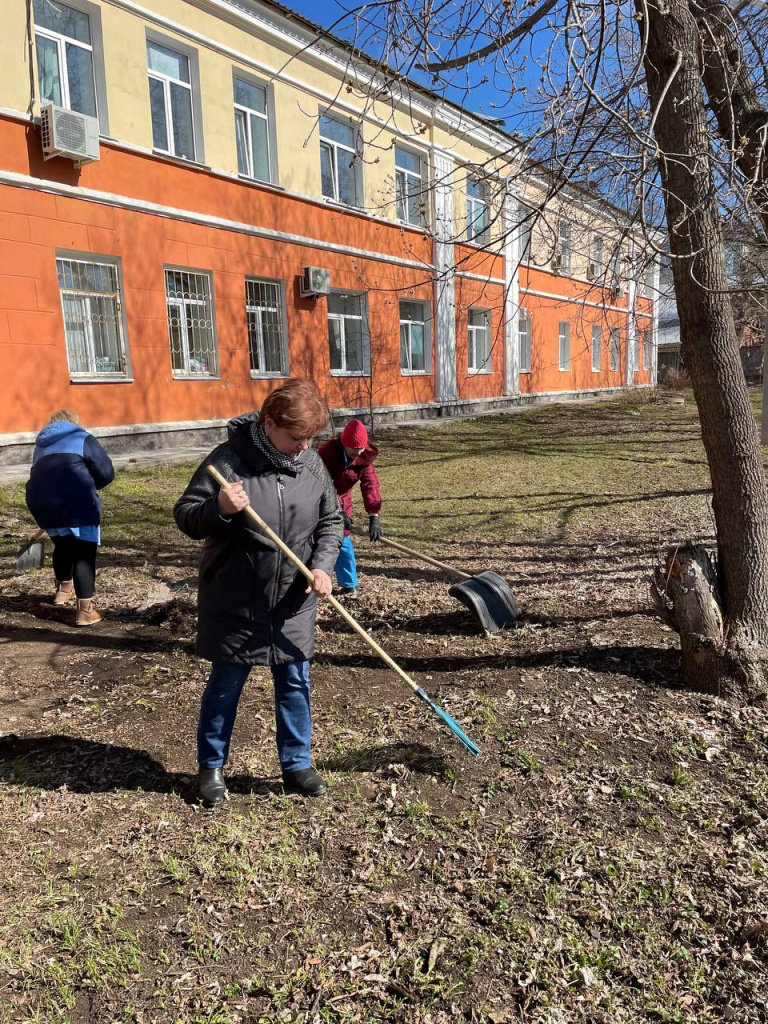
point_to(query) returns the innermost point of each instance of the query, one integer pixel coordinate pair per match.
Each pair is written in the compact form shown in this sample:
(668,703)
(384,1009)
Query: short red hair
(297,406)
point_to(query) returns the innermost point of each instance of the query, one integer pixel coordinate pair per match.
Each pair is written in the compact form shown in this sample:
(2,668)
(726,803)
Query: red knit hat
(354,435)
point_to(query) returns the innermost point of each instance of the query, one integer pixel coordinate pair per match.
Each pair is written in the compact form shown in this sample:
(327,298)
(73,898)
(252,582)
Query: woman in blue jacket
(68,468)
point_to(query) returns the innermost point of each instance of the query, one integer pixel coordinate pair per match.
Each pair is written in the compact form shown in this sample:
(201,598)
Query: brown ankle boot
(86,612)
(65,592)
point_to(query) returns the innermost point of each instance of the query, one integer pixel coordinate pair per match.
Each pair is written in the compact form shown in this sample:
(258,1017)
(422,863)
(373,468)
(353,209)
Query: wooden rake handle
(425,558)
(223,482)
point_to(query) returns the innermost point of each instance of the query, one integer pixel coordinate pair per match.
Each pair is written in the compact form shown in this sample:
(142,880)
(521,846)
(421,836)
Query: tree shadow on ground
(415,756)
(99,639)
(656,666)
(87,766)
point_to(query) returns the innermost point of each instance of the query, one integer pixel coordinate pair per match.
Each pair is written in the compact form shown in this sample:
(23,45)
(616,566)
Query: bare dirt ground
(603,861)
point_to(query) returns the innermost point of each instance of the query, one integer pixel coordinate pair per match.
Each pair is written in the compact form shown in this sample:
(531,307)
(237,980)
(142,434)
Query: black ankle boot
(306,783)
(211,786)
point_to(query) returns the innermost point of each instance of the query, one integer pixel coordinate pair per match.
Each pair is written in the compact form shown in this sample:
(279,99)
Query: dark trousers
(292,714)
(75,559)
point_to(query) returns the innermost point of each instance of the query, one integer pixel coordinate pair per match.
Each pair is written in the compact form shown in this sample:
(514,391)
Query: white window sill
(185,161)
(596,370)
(342,204)
(564,369)
(196,376)
(349,373)
(257,375)
(477,373)
(415,373)
(254,181)
(95,379)
(523,371)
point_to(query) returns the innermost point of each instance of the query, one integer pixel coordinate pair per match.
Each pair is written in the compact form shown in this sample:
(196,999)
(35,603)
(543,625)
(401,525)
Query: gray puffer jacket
(252,609)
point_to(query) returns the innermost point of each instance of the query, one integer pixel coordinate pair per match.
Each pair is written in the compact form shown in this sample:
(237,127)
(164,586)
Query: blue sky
(483,97)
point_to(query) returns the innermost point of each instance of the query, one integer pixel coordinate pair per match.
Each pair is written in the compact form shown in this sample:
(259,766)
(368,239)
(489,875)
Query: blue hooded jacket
(68,467)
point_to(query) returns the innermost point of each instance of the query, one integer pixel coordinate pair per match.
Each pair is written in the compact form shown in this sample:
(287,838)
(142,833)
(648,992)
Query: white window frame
(187,373)
(193,85)
(596,256)
(524,342)
(473,331)
(405,371)
(266,117)
(526,217)
(564,245)
(252,307)
(564,346)
(336,147)
(86,297)
(96,48)
(615,349)
(475,204)
(597,348)
(422,219)
(341,319)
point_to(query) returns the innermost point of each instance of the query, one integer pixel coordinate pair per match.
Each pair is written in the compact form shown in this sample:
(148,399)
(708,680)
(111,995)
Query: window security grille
(479,340)
(90,298)
(266,341)
(190,324)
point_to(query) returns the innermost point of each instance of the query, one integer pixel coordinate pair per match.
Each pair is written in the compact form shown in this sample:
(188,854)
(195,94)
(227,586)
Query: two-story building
(199,198)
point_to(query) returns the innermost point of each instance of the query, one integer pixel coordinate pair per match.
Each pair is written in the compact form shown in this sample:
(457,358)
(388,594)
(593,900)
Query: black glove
(347,520)
(374,528)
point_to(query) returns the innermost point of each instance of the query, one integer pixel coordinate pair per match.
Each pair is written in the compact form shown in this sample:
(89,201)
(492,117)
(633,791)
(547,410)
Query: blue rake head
(452,724)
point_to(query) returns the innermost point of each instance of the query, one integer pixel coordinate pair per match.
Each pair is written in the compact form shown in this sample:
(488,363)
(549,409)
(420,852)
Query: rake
(452,724)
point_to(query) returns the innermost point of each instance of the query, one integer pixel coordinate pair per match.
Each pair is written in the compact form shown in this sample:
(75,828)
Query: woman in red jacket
(349,459)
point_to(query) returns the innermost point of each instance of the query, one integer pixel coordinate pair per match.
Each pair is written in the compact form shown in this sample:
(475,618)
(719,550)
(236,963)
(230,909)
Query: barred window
(190,324)
(479,341)
(91,302)
(266,339)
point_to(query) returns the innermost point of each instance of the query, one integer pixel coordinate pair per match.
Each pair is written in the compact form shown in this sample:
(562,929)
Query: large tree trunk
(738,664)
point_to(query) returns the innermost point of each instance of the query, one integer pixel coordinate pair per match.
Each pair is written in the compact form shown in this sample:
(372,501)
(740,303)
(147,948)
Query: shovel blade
(31,556)
(489,599)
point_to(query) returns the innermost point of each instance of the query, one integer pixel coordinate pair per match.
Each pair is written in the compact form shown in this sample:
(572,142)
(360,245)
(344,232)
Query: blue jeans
(218,710)
(346,567)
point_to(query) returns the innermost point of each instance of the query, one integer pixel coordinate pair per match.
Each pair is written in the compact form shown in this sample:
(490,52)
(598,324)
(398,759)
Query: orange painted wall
(546,315)
(35,224)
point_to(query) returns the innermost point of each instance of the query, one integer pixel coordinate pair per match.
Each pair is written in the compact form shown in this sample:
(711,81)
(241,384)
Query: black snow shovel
(32,554)
(486,595)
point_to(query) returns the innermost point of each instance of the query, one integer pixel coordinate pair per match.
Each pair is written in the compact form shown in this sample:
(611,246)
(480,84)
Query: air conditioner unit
(69,134)
(315,281)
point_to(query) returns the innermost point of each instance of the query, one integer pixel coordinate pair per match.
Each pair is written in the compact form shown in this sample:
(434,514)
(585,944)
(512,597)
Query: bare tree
(658,107)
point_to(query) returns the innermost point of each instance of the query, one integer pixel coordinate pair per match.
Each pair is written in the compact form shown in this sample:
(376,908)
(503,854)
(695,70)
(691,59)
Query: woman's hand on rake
(233,499)
(321,584)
